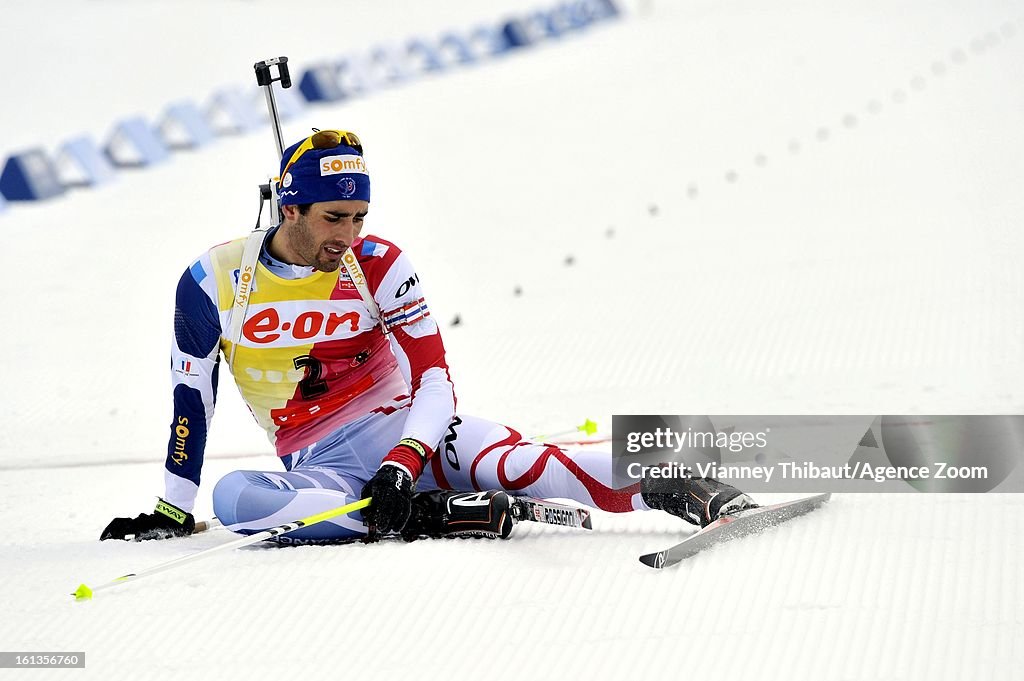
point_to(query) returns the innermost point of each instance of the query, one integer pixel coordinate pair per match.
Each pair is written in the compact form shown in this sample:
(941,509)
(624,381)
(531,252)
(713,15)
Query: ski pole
(586,441)
(83,592)
(588,427)
(204,525)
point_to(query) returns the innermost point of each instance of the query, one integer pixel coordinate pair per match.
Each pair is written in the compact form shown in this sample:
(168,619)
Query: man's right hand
(166,521)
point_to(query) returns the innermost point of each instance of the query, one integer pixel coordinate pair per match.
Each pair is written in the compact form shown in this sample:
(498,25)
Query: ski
(523,508)
(731,527)
(540,511)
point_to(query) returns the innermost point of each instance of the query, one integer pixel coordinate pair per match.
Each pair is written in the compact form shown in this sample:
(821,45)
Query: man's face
(320,237)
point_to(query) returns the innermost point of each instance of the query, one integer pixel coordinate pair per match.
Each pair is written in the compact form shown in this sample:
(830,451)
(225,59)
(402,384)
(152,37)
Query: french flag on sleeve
(372,249)
(407,314)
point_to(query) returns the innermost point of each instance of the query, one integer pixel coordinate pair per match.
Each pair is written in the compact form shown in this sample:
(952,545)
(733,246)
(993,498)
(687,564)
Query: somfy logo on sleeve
(345,163)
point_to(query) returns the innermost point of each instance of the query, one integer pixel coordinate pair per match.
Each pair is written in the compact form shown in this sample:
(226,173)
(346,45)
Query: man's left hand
(391,489)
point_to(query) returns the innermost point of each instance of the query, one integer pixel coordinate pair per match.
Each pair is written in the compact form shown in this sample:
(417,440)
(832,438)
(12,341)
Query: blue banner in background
(136,142)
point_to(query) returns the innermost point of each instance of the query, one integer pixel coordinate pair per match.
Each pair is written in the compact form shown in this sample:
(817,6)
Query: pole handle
(263,73)
(265,79)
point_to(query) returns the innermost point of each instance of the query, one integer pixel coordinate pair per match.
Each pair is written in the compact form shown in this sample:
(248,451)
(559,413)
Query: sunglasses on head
(324,139)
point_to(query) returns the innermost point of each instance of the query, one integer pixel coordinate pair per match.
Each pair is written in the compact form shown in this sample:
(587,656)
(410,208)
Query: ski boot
(698,501)
(441,513)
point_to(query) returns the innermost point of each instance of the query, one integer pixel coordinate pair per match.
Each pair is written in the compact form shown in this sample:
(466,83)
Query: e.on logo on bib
(345,163)
(279,326)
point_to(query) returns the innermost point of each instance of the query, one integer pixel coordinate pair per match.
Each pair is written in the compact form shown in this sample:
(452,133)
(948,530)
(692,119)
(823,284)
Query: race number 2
(312,385)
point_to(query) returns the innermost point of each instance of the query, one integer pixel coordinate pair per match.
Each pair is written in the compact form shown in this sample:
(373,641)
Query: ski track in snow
(786,209)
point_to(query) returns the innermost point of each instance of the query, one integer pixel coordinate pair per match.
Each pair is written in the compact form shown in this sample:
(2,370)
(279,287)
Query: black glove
(391,489)
(166,521)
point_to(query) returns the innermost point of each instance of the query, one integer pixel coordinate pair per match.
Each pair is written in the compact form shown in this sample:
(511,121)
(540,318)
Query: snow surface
(793,207)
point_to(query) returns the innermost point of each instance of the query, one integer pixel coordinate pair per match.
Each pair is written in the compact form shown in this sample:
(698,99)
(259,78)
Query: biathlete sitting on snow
(330,341)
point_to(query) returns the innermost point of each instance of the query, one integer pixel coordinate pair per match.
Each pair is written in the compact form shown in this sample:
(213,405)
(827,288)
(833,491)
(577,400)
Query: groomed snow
(784,208)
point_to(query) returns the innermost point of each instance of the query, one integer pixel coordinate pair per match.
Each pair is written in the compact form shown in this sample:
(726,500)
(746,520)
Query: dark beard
(309,250)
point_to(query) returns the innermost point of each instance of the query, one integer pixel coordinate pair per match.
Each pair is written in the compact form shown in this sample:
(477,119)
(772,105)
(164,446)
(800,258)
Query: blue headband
(319,175)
